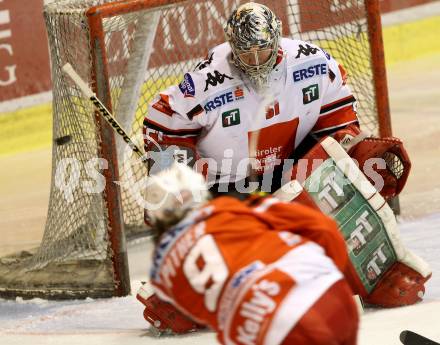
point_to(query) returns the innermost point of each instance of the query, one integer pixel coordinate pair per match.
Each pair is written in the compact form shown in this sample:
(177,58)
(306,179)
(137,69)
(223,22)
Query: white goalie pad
(368,224)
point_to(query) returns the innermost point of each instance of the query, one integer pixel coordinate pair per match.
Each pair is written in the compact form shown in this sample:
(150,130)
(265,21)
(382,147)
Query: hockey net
(127,51)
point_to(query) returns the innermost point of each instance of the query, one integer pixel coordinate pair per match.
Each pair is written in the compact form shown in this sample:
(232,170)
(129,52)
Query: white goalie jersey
(216,110)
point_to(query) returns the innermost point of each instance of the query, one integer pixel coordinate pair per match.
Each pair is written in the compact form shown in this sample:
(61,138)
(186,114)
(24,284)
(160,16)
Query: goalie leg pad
(401,276)
(400,286)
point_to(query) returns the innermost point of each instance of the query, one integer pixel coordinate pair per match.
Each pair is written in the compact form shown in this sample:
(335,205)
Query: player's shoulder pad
(299,52)
(210,76)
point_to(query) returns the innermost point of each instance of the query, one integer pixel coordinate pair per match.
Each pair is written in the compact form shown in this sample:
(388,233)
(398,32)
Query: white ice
(120,320)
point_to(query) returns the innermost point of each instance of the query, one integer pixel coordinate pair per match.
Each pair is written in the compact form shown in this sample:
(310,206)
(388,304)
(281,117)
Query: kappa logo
(310,93)
(204,63)
(306,50)
(231,118)
(187,86)
(217,78)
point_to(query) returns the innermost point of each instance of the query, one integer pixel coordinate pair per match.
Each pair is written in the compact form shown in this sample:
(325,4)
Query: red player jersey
(230,261)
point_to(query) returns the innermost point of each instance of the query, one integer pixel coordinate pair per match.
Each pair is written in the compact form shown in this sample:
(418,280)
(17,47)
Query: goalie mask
(172,193)
(253,31)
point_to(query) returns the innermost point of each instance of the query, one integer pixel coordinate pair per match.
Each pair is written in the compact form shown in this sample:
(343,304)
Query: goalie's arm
(85,89)
(170,130)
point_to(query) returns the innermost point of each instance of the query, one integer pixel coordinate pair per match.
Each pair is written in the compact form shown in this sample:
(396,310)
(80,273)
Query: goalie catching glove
(386,157)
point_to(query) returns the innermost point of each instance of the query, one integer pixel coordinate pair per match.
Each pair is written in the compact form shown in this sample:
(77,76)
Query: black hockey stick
(411,338)
(85,89)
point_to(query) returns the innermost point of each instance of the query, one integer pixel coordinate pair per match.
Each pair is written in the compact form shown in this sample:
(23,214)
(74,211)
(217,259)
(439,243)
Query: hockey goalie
(221,112)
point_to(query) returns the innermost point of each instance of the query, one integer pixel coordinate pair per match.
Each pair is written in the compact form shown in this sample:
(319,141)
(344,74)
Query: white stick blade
(85,89)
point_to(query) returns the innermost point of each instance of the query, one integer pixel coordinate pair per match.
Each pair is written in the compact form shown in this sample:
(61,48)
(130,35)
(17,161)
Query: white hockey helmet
(172,192)
(254,32)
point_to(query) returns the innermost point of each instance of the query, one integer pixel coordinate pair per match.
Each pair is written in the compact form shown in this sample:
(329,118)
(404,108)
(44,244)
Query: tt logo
(363,228)
(330,185)
(376,264)
(310,94)
(231,118)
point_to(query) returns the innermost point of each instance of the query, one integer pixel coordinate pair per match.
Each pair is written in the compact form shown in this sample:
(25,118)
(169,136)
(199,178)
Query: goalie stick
(412,338)
(85,89)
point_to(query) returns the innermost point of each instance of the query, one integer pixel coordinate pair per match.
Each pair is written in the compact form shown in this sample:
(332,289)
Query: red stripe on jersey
(151,140)
(329,327)
(344,74)
(336,104)
(280,54)
(163,105)
(156,126)
(197,110)
(337,118)
(187,142)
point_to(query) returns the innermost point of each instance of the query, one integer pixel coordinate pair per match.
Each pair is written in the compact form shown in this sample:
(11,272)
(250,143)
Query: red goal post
(379,74)
(127,51)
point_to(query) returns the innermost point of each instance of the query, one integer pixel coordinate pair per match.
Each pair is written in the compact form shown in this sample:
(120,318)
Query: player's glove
(163,316)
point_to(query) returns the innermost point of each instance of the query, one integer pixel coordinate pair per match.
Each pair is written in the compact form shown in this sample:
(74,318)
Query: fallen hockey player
(258,271)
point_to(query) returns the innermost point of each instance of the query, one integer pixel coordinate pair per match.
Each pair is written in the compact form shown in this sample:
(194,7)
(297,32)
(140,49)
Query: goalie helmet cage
(128,51)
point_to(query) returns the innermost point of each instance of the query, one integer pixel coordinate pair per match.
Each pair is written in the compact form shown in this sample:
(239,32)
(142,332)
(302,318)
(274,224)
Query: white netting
(145,51)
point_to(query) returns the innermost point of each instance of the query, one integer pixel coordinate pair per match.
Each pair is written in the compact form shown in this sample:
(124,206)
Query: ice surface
(414,100)
(120,320)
